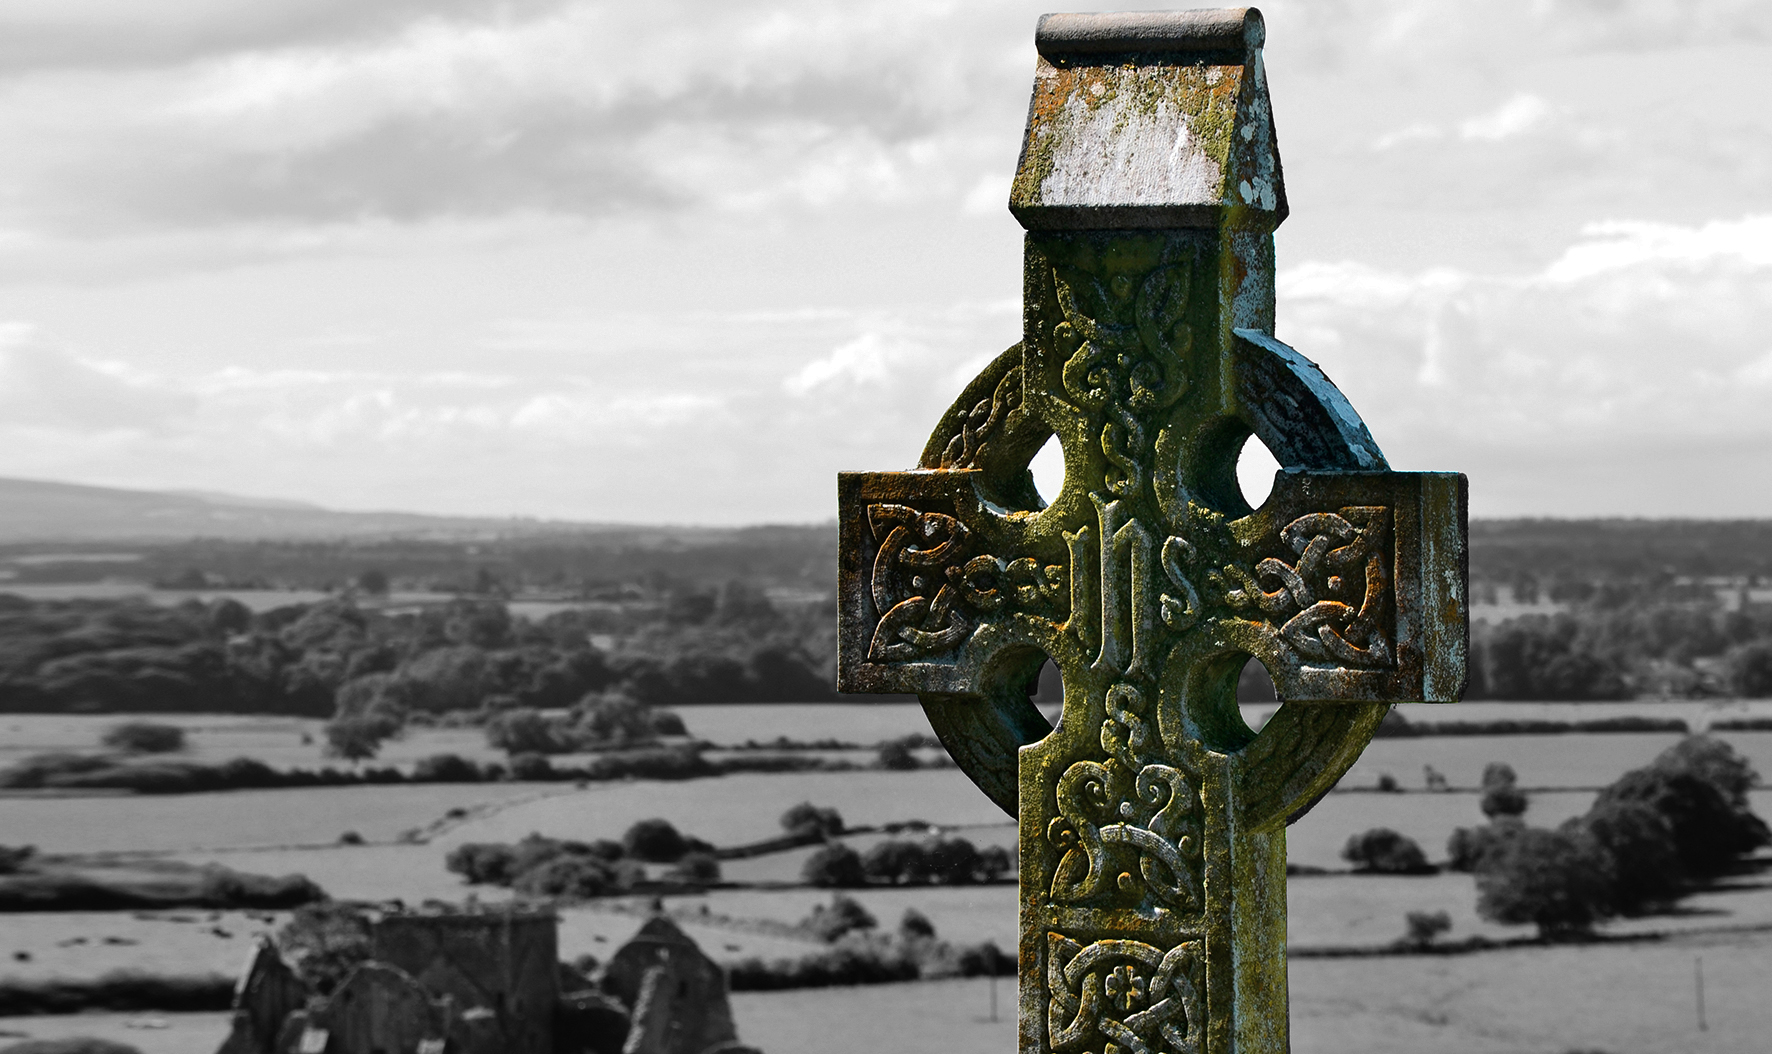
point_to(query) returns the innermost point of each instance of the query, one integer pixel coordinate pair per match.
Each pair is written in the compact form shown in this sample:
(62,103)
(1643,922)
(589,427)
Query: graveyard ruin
(489,982)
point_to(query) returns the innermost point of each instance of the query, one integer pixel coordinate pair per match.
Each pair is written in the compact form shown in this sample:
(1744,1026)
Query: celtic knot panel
(932,588)
(1124,996)
(1332,605)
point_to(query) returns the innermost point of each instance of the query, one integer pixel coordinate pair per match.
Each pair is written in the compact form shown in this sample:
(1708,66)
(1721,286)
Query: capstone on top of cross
(1149,120)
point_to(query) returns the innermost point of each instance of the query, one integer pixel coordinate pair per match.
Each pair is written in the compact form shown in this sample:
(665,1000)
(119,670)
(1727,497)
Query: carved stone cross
(1152,819)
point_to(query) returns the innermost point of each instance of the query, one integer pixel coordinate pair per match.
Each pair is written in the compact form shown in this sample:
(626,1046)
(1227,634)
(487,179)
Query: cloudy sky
(683,260)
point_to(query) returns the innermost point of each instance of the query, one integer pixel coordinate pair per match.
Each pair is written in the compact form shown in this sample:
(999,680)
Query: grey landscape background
(370,374)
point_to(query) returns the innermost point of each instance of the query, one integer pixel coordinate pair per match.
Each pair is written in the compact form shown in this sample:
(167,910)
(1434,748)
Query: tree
(1748,669)
(572,876)
(1424,926)
(374,582)
(843,915)
(1470,846)
(1557,880)
(896,755)
(446,768)
(952,862)
(526,731)
(324,942)
(1646,870)
(145,737)
(698,867)
(1503,800)
(834,865)
(613,719)
(1710,831)
(895,860)
(1384,851)
(655,841)
(807,818)
(355,738)
(915,924)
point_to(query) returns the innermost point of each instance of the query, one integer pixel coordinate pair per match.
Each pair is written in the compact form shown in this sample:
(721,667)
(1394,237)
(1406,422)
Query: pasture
(1622,999)
(1619,997)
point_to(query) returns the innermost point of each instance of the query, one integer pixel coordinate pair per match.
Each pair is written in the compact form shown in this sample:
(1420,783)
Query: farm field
(307,816)
(1492,1001)
(294,742)
(1622,999)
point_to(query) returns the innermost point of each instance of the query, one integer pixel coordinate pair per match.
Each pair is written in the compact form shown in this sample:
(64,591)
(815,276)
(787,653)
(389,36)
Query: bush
(480,863)
(324,942)
(445,768)
(70,1045)
(608,720)
(532,768)
(700,868)
(355,738)
(834,866)
(1384,851)
(895,755)
(952,862)
(1559,881)
(145,737)
(574,877)
(1422,927)
(1646,870)
(1503,800)
(1470,846)
(807,818)
(1748,669)
(915,924)
(663,763)
(1498,774)
(842,916)
(526,731)
(894,860)
(1709,832)
(13,858)
(655,841)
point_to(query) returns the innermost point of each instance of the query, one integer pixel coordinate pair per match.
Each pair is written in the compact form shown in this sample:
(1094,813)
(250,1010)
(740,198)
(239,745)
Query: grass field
(1613,997)
(1635,999)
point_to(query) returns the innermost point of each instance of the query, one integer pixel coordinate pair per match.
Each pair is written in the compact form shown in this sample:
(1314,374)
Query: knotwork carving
(926,552)
(1123,343)
(1136,997)
(1130,805)
(984,422)
(1335,599)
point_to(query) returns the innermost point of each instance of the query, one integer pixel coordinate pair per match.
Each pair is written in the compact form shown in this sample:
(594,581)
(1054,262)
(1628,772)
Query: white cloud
(1518,115)
(865,360)
(1640,339)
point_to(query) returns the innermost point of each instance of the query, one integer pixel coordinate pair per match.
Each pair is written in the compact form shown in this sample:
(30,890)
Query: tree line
(336,657)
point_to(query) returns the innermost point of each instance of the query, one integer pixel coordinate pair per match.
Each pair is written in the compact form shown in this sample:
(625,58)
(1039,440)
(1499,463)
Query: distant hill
(39,511)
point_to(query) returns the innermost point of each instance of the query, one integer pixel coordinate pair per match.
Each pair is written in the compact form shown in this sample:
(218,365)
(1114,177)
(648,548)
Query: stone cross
(1152,819)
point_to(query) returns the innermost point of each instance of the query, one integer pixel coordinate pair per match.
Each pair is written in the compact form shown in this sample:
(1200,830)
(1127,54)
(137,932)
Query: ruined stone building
(489,983)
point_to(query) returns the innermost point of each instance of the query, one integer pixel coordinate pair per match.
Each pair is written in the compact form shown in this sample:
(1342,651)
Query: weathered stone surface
(677,994)
(1151,120)
(268,992)
(1152,819)
(502,962)
(378,1007)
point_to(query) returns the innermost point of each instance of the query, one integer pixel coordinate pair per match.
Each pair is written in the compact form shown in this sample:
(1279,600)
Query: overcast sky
(682,261)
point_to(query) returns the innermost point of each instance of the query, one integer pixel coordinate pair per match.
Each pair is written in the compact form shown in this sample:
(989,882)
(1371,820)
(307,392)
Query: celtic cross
(1152,819)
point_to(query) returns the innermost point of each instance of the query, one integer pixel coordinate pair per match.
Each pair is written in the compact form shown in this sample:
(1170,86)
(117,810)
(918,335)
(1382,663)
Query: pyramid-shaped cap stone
(1149,120)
